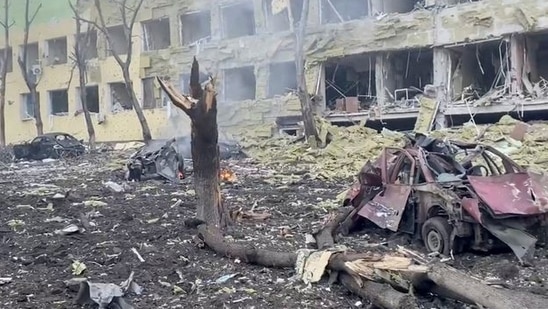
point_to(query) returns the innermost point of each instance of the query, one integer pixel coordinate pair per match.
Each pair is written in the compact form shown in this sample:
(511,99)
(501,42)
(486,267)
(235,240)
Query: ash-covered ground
(42,201)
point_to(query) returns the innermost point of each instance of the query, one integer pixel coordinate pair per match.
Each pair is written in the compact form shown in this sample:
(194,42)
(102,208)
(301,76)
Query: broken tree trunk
(382,295)
(310,131)
(201,107)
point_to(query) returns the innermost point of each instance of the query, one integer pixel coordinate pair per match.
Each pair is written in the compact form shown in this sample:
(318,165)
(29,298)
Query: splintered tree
(129,9)
(80,62)
(310,131)
(31,79)
(201,107)
(6,24)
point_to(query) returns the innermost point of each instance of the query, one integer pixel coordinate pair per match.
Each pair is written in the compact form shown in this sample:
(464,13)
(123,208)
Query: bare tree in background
(28,75)
(6,24)
(129,9)
(310,131)
(80,56)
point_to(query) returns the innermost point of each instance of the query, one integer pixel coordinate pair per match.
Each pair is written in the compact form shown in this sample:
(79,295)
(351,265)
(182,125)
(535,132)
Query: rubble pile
(348,148)
(528,149)
(346,151)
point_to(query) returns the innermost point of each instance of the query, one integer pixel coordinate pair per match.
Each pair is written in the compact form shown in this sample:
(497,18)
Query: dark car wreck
(161,158)
(53,145)
(454,196)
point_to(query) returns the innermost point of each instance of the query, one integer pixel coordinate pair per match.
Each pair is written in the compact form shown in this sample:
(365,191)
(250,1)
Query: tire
(436,233)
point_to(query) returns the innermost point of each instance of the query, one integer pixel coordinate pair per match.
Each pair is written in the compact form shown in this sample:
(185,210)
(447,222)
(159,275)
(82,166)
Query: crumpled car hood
(513,194)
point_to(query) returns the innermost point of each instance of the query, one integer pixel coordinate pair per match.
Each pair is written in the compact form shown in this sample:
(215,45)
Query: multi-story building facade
(366,60)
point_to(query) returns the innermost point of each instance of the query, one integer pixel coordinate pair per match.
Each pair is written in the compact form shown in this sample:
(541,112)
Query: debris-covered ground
(78,218)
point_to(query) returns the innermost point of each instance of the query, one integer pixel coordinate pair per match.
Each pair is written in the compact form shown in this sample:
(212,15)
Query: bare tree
(129,9)
(28,75)
(310,131)
(6,24)
(80,56)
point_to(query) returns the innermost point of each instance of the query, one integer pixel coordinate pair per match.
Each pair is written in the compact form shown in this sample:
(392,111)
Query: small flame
(227,175)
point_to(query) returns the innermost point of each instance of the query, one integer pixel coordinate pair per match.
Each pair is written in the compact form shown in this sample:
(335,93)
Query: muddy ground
(177,273)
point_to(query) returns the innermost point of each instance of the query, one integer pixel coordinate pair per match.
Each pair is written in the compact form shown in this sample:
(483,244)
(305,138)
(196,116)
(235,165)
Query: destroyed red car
(453,196)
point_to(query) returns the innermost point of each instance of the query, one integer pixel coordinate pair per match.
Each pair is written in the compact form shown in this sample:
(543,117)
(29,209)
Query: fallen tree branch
(382,295)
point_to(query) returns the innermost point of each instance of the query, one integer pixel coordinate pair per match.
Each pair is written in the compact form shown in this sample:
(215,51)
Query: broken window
(27,105)
(195,26)
(350,83)
(409,72)
(92,98)
(58,102)
(33,58)
(156,34)
(120,97)
(118,39)
(239,84)
(57,51)
(537,49)
(400,6)
(89,41)
(478,68)
(282,78)
(151,95)
(336,11)
(9,63)
(238,20)
(279,16)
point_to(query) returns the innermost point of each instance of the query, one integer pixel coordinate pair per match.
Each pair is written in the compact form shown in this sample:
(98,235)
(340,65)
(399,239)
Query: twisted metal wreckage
(454,195)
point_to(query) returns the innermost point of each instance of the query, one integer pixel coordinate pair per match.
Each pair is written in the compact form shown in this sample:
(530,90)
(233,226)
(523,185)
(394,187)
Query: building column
(385,78)
(442,75)
(517,54)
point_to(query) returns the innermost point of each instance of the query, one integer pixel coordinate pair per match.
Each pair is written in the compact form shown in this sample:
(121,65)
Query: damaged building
(367,61)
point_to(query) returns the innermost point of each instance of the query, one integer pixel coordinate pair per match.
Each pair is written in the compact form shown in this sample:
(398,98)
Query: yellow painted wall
(116,127)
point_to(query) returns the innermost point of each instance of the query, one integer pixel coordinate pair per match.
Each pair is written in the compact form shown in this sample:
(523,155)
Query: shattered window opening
(58,101)
(27,106)
(537,53)
(89,42)
(92,98)
(151,94)
(57,51)
(238,20)
(480,69)
(9,63)
(410,71)
(195,27)
(239,84)
(119,40)
(282,78)
(337,11)
(350,83)
(156,34)
(400,6)
(33,57)
(279,17)
(120,97)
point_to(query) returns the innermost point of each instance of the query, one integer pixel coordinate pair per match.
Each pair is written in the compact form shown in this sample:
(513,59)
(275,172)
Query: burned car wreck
(454,196)
(166,158)
(53,145)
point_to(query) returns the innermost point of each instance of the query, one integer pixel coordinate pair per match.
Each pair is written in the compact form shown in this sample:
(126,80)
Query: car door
(386,208)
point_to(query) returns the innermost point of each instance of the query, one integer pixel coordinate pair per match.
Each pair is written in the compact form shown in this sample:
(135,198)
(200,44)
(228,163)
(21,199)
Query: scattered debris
(114,187)
(107,294)
(5,280)
(70,229)
(78,268)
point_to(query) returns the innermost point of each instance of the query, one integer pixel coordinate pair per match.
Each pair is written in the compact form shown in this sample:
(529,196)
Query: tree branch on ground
(6,24)
(128,22)
(31,79)
(80,61)
(201,108)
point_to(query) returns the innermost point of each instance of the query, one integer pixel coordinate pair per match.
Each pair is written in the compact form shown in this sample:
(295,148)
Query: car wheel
(436,233)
